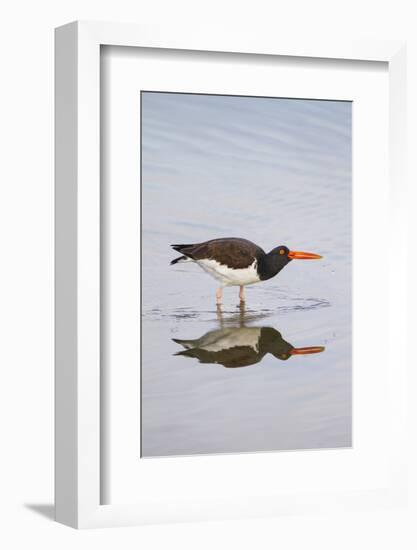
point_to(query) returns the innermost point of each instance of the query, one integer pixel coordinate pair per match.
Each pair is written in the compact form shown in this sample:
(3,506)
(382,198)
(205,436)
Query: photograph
(207,263)
(246,274)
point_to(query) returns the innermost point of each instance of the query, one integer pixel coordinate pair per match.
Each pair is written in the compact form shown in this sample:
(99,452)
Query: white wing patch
(228,276)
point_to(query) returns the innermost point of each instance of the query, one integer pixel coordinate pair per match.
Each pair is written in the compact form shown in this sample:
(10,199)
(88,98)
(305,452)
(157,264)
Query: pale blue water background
(275,171)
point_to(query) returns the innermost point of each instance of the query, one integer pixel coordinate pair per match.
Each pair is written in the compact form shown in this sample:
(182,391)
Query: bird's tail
(179,247)
(187,344)
(179,260)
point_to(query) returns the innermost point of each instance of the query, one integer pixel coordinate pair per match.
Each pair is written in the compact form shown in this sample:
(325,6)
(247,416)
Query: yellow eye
(282,252)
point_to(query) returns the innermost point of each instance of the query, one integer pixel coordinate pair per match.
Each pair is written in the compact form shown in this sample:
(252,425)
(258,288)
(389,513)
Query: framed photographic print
(257,164)
(226,212)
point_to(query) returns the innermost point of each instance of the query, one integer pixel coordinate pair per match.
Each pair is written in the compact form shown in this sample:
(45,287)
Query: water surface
(275,171)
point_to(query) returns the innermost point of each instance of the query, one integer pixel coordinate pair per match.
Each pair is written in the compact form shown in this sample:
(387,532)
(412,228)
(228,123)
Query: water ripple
(231,315)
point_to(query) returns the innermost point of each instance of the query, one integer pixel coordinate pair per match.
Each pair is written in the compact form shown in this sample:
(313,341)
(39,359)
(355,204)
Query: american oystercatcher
(238,262)
(241,346)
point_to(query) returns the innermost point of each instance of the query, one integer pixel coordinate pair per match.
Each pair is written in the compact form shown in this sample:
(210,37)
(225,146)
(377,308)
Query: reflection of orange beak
(306,351)
(294,255)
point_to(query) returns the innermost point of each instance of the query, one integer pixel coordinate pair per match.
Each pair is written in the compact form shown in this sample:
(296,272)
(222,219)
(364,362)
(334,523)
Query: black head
(281,254)
(288,254)
(273,262)
(278,258)
(272,342)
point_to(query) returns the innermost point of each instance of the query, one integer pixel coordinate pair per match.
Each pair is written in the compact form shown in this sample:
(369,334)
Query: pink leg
(242,293)
(219,295)
(219,313)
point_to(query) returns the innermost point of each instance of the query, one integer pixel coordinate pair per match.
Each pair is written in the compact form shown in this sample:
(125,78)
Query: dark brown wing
(241,356)
(233,252)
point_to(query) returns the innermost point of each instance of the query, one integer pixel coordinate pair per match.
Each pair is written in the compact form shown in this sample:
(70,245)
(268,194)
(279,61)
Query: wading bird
(241,346)
(238,262)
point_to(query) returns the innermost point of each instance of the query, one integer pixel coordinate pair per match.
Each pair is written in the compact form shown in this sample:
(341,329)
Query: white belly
(228,276)
(232,338)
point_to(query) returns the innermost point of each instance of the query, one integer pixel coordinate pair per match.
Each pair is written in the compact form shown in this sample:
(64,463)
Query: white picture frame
(78,259)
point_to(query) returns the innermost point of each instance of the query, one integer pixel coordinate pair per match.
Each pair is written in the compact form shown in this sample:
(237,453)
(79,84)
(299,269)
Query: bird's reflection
(240,346)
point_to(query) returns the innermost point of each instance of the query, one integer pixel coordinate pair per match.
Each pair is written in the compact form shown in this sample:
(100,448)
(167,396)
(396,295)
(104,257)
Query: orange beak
(306,351)
(294,255)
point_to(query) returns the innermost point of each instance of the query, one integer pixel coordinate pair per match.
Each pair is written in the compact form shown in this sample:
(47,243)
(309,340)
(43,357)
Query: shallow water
(275,172)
